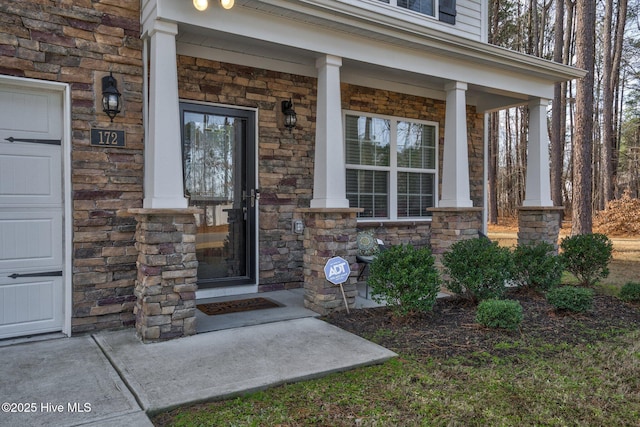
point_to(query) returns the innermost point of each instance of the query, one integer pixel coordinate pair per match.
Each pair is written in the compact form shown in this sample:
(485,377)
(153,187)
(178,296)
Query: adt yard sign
(337,270)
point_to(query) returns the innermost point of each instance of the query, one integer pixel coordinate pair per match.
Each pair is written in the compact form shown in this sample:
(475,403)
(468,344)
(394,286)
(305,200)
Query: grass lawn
(595,385)
(521,380)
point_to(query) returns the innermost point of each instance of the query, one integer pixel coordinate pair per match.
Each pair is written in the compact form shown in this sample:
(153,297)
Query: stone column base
(329,232)
(167,273)
(450,225)
(539,224)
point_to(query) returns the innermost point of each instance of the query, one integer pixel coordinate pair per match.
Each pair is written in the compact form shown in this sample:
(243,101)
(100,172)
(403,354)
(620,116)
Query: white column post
(455,168)
(538,184)
(329,174)
(163,187)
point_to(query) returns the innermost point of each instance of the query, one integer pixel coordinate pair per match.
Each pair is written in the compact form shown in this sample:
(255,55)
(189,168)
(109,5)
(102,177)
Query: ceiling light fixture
(227,4)
(201,5)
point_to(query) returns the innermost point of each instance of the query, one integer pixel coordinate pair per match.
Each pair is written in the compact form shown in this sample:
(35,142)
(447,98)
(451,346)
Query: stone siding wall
(539,224)
(82,41)
(285,164)
(285,159)
(329,233)
(167,273)
(78,43)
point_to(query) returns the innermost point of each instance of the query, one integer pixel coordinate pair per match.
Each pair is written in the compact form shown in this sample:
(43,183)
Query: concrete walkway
(113,379)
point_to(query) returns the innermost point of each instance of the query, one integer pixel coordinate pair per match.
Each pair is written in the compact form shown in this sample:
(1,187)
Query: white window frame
(393,168)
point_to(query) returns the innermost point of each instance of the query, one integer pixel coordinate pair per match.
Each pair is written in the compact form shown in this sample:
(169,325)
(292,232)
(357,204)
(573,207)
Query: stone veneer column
(539,224)
(167,273)
(450,225)
(329,232)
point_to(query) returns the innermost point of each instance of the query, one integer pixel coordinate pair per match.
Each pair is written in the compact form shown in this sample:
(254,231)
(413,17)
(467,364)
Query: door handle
(254,194)
(43,274)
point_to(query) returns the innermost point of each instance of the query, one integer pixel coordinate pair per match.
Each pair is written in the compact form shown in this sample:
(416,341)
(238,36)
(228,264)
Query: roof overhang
(377,50)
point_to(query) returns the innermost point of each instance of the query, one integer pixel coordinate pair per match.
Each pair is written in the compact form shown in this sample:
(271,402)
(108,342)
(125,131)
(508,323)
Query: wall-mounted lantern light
(110,96)
(289,115)
(202,5)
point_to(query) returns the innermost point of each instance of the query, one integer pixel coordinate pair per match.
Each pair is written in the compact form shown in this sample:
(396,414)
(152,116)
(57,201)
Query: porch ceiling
(225,47)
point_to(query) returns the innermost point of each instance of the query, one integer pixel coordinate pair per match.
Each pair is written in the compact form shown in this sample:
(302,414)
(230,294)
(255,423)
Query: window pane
(208,155)
(367,141)
(421,6)
(415,194)
(416,146)
(368,190)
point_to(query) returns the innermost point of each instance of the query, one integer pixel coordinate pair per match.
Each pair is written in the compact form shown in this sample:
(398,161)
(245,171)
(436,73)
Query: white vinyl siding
(470,23)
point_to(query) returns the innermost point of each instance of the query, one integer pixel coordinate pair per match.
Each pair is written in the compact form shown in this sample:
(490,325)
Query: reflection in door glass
(214,181)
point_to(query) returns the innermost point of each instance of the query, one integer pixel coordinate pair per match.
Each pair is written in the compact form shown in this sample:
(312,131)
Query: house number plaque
(107,138)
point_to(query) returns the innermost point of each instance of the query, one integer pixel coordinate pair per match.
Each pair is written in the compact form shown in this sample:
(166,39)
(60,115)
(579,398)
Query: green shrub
(537,266)
(587,257)
(405,278)
(571,298)
(478,269)
(630,292)
(493,313)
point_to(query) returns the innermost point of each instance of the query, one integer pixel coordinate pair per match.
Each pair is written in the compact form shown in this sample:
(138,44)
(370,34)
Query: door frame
(250,287)
(67,237)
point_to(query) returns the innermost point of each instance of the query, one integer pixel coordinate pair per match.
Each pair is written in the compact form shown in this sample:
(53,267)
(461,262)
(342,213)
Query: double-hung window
(426,7)
(391,166)
(446,9)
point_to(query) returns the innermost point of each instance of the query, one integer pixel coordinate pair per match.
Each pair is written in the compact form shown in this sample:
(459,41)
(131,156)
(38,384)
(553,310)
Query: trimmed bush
(478,269)
(537,266)
(630,292)
(405,278)
(571,298)
(493,313)
(587,257)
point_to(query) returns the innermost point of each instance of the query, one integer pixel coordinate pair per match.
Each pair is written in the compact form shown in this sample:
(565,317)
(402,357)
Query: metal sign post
(337,271)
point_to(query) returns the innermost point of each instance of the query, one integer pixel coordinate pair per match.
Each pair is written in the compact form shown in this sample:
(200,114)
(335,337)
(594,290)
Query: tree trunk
(558,111)
(494,126)
(607,105)
(581,221)
(617,83)
(492,196)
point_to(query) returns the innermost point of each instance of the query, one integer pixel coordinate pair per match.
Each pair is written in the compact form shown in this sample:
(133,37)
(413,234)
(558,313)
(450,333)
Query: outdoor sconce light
(289,114)
(110,96)
(202,5)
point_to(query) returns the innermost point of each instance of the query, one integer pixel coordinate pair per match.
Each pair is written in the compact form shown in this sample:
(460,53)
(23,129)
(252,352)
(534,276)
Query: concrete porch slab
(231,362)
(65,382)
(292,307)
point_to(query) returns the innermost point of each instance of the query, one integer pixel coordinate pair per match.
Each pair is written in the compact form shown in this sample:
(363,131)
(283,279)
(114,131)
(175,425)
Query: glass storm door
(218,150)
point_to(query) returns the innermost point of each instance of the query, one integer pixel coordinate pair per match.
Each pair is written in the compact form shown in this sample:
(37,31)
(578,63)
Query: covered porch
(332,51)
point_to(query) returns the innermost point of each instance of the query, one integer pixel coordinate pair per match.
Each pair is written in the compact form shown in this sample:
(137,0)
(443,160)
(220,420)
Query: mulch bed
(450,329)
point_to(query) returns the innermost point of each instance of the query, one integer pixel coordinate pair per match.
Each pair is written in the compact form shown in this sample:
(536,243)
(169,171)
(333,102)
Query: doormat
(236,306)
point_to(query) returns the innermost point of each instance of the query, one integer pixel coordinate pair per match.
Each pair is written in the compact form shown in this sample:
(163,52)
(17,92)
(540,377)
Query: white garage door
(31,207)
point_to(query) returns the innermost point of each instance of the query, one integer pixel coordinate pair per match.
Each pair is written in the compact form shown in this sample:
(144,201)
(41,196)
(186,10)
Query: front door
(218,146)
(31,209)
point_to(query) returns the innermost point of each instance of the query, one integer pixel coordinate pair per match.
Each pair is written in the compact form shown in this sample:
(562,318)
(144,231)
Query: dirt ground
(450,330)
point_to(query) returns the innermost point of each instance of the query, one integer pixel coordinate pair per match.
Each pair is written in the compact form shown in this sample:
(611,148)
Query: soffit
(347,18)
